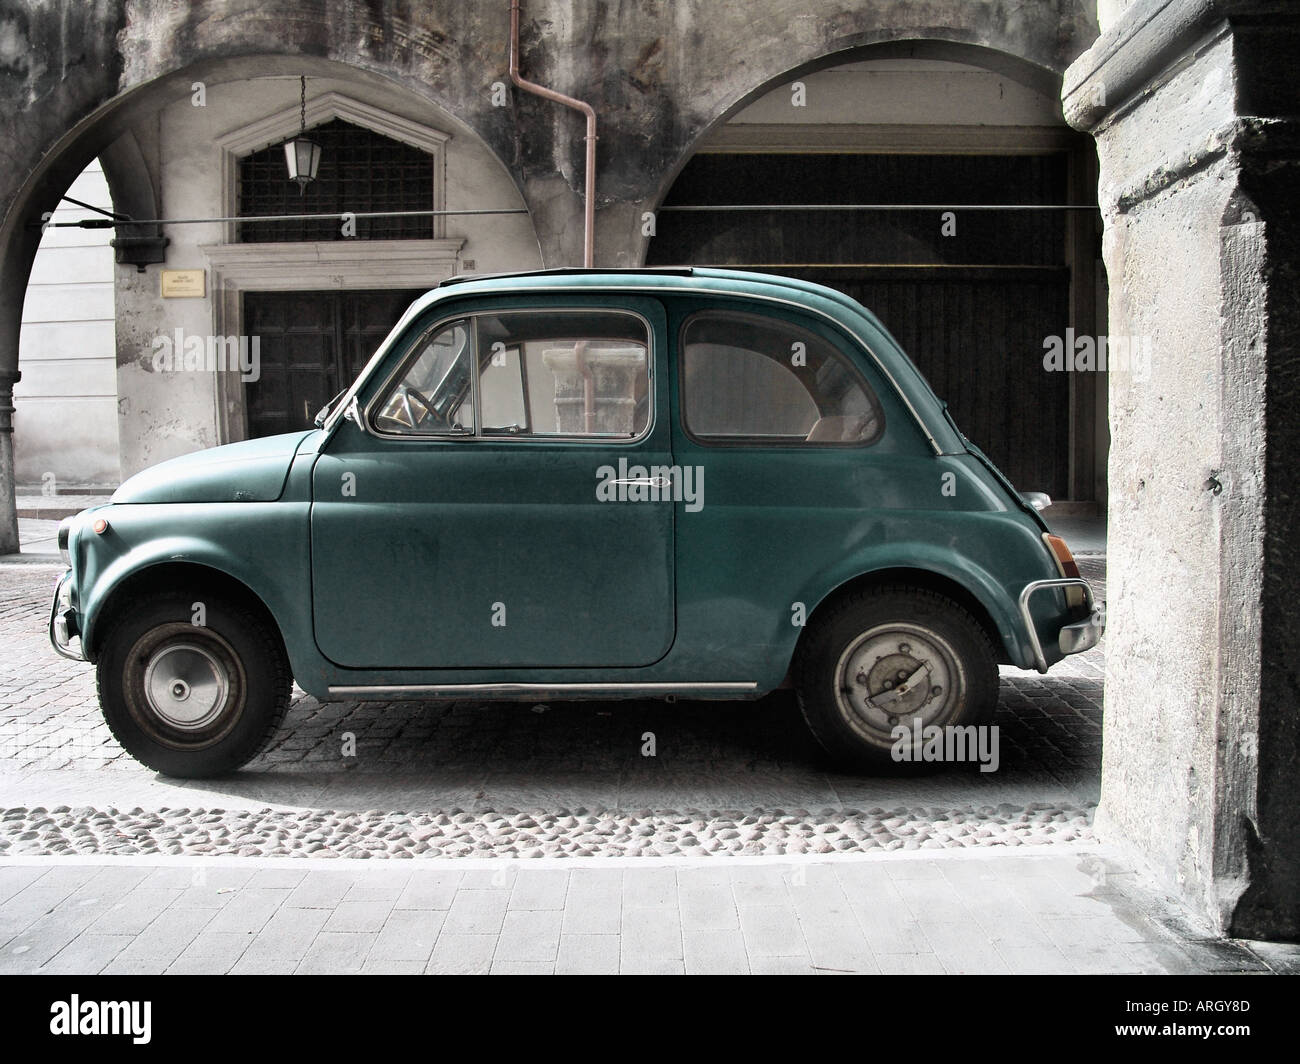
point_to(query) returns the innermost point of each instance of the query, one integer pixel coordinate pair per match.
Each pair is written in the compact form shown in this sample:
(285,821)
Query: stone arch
(85,117)
(1068,463)
(1031,73)
(58,163)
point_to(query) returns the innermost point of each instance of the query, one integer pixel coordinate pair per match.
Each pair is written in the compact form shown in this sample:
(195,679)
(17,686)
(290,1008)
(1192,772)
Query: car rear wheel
(891,657)
(192,700)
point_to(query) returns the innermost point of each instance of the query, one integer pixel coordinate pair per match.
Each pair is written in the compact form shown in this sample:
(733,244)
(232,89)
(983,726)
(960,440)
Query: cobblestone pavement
(473,779)
(1043,912)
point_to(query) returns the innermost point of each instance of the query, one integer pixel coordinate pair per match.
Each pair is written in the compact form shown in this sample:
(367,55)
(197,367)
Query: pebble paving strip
(576,833)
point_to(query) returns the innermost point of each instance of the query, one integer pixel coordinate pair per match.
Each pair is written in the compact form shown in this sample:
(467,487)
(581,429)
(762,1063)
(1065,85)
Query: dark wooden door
(977,335)
(312,345)
(971,306)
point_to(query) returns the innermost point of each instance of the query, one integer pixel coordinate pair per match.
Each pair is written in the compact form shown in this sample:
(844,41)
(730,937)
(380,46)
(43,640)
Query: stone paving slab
(1067,910)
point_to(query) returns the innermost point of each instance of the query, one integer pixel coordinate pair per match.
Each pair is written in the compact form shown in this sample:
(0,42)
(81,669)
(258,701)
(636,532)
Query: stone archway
(1028,72)
(109,129)
(965,124)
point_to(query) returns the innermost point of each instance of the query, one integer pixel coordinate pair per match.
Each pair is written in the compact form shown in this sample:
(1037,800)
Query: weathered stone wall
(659,73)
(1201,706)
(75,74)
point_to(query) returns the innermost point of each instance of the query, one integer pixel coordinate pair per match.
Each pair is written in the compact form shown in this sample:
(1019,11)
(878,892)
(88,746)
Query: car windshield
(434,390)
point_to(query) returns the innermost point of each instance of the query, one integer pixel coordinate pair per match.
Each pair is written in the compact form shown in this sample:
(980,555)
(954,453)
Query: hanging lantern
(302,155)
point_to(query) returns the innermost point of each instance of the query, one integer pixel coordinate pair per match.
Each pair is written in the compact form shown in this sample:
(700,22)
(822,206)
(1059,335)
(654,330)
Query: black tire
(862,649)
(188,700)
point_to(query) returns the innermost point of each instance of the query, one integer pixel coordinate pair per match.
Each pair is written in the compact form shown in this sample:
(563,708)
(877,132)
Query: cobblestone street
(462,779)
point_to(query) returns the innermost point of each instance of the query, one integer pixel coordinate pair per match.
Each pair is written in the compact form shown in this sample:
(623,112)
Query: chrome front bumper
(1072,638)
(63,621)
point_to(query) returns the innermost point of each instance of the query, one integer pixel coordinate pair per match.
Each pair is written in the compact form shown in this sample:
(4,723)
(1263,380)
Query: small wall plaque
(184,284)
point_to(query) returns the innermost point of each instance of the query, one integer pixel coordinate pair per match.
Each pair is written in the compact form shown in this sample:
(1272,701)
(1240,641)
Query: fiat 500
(571,484)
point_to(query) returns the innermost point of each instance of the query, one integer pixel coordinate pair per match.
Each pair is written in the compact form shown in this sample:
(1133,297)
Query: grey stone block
(771,931)
(581,954)
(334,953)
(457,954)
(430,890)
(540,889)
(408,935)
(708,908)
(649,888)
(593,907)
(358,916)
(136,911)
(86,954)
(248,910)
(530,936)
(320,890)
(211,953)
(650,937)
(522,968)
(838,944)
(274,953)
(715,953)
(477,912)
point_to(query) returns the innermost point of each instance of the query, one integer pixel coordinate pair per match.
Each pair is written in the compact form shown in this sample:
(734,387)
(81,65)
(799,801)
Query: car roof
(710,278)
(830,302)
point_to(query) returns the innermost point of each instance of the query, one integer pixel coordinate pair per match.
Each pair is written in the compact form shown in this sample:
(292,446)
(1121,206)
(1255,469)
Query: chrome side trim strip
(379,692)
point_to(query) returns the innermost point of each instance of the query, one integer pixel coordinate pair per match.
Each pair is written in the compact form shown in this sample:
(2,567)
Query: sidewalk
(38,523)
(35,504)
(958,912)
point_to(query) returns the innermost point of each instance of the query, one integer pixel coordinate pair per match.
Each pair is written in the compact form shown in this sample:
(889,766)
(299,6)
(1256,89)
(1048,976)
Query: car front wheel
(192,700)
(887,658)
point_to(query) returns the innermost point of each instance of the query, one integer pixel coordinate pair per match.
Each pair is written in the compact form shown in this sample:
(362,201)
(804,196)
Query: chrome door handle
(650,482)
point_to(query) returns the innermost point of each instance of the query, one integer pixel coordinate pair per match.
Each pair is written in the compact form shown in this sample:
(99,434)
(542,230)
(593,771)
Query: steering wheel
(409,393)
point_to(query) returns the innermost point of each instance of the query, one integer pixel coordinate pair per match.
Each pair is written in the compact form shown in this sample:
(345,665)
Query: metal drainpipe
(588,387)
(589,222)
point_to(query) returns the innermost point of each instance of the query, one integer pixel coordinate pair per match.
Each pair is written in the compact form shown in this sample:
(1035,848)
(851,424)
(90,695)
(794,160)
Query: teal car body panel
(251,471)
(389,588)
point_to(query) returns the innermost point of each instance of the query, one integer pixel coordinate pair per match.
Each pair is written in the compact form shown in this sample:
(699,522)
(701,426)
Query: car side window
(433,394)
(564,373)
(750,379)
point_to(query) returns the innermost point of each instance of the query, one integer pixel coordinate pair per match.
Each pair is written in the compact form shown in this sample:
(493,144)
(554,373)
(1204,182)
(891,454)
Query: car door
(787,436)
(470,524)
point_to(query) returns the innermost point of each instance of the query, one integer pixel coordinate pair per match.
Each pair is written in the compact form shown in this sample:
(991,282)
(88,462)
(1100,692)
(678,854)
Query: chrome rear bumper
(1072,638)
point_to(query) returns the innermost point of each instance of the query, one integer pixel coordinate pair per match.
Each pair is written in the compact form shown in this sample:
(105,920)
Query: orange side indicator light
(1064,558)
(1067,567)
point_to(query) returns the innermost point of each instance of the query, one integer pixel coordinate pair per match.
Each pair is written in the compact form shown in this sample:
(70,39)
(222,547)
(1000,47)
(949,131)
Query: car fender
(929,558)
(283,594)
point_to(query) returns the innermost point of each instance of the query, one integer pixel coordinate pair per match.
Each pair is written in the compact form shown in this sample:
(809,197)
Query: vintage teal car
(566,484)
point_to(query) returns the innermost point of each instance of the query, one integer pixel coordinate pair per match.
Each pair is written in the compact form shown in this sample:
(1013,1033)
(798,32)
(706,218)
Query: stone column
(614,369)
(8,500)
(1193,106)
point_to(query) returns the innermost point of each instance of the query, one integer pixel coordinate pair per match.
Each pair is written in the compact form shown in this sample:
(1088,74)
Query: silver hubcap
(891,675)
(185,686)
